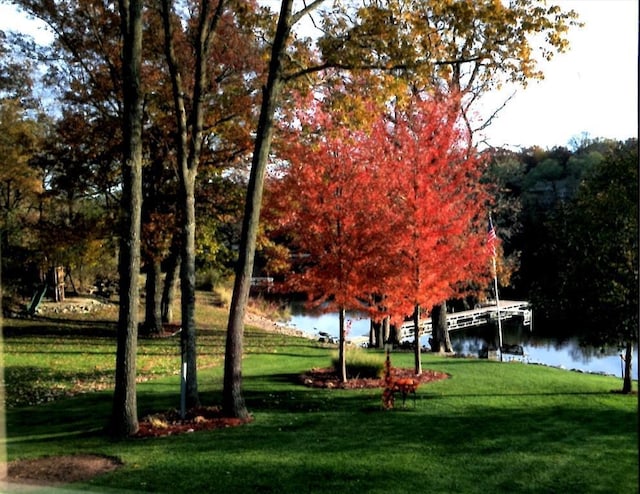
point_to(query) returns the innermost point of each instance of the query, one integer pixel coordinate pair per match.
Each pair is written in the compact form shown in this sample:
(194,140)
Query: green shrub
(208,279)
(361,364)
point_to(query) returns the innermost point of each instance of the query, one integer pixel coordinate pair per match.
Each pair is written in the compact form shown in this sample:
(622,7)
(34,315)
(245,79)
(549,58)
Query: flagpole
(495,283)
(492,234)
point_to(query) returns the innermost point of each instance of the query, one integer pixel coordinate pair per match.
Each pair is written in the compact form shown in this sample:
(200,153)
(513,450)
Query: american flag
(491,237)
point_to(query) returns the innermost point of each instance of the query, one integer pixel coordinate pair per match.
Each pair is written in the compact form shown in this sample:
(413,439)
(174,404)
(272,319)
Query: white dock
(475,317)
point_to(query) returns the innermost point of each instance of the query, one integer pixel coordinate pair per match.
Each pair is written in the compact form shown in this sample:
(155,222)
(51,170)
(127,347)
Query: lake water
(567,354)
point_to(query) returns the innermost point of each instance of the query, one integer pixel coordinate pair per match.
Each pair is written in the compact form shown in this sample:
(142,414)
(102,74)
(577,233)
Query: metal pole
(492,238)
(495,284)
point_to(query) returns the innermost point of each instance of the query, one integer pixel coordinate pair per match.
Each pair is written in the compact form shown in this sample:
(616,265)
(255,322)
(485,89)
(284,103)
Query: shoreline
(266,324)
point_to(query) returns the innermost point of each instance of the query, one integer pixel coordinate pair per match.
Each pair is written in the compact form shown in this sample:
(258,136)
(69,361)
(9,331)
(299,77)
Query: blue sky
(591,89)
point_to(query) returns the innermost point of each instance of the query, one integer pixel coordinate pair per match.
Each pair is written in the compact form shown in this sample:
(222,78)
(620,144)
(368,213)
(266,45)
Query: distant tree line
(575,237)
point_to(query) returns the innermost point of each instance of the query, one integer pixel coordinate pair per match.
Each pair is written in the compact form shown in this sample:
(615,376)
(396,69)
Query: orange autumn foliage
(440,243)
(393,208)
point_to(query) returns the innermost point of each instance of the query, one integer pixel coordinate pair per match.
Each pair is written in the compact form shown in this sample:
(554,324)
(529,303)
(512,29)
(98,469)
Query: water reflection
(566,353)
(357,325)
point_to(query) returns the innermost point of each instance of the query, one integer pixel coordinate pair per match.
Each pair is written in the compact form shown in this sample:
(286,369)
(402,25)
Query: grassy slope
(491,427)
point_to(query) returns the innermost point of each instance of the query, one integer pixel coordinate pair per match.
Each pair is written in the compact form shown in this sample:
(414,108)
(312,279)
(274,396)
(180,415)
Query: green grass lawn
(490,428)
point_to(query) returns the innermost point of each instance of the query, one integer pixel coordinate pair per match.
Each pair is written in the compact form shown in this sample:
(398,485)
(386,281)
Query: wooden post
(59,283)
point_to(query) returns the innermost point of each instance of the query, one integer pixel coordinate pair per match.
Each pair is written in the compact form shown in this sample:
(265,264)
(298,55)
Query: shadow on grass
(43,326)
(81,416)
(90,411)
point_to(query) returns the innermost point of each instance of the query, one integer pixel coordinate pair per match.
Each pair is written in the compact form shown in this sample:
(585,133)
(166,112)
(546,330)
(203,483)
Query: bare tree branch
(489,120)
(306,10)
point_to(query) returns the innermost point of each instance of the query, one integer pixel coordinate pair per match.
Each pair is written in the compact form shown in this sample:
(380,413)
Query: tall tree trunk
(417,357)
(152,308)
(628,356)
(189,147)
(169,289)
(233,404)
(440,341)
(124,416)
(188,294)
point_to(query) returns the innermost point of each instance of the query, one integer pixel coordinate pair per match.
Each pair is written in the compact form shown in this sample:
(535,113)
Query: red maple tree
(391,209)
(440,247)
(327,203)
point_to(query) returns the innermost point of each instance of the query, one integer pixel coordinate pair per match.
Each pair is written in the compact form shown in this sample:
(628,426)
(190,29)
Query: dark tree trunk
(393,335)
(417,357)
(233,404)
(627,380)
(386,330)
(152,309)
(376,334)
(188,295)
(373,333)
(124,416)
(440,341)
(376,327)
(169,289)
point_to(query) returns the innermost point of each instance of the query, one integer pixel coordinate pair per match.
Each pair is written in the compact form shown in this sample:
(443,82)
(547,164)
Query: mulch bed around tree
(196,419)
(328,378)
